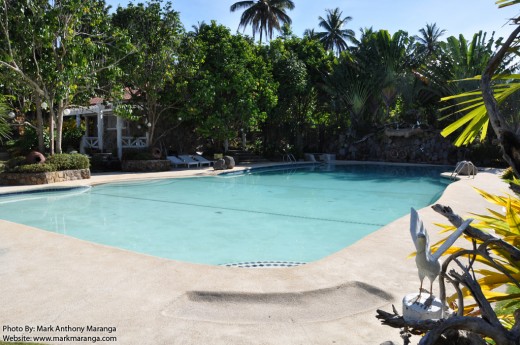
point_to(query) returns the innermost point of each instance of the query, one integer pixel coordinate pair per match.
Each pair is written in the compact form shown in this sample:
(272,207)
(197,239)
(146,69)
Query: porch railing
(134,142)
(127,142)
(91,142)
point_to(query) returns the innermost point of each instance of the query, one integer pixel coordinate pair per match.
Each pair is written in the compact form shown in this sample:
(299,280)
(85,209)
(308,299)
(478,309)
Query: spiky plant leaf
(475,123)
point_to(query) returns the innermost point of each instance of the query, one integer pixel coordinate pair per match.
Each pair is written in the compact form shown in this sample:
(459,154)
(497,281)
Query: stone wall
(146,165)
(19,179)
(417,146)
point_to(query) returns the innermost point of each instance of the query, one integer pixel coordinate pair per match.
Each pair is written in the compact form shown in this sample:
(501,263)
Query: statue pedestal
(421,310)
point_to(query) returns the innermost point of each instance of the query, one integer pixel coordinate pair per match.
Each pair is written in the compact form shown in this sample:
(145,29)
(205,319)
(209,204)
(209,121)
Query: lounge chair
(310,157)
(203,161)
(189,160)
(176,162)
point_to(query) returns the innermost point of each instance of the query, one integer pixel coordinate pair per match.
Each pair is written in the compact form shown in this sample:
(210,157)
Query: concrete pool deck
(51,279)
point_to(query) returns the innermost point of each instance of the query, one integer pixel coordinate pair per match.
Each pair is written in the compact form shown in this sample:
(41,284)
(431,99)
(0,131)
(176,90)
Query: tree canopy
(155,32)
(232,87)
(57,50)
(293,92)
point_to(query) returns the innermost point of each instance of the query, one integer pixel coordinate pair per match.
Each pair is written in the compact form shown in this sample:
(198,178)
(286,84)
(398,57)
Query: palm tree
(197,28)
(429,39)
(310,34)
(335,37)
(263,15)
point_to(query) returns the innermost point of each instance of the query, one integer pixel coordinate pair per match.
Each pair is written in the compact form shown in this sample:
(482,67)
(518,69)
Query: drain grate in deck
(264,264)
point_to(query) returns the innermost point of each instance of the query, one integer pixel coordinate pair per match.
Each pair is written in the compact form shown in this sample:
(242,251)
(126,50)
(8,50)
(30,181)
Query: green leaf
(477,113)
(512,218)
(505,3)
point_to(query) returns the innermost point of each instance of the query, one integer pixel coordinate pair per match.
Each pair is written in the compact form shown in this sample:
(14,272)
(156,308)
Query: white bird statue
(427,263)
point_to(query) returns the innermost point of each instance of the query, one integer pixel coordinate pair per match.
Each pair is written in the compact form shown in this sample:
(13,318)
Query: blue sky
(455,16)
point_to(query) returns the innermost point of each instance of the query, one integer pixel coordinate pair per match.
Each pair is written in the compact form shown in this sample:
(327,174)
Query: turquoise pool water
(289,215)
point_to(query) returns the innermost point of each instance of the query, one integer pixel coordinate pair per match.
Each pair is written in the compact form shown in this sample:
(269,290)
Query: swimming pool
(289,215)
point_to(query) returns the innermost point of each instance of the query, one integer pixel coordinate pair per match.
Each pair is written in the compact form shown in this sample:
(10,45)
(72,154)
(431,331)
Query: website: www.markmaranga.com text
(79,333)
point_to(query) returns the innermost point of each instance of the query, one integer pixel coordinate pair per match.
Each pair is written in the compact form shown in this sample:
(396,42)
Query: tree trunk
(152,119)
(39,124)
(509,141)
(299,141)
(59,127)
(51,130)
(226,145)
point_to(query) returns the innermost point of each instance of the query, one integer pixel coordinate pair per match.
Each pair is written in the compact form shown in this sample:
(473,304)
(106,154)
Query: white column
(78,121)
(119,132)
(83,138)
(100,129)
(82,145)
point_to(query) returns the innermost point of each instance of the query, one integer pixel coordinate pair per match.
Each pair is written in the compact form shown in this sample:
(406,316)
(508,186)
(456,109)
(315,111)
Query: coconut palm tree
(263,15)
(429,39)
(311,34)
(197,28)
(335,37)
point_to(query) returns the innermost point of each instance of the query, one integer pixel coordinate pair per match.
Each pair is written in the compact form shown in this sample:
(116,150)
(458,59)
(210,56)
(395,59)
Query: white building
(107,132)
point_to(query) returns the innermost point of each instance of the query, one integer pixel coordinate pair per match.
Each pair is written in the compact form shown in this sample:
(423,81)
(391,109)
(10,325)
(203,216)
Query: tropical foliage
(298,66)
(215,86)
(464,61)
(498,82)
(366,84)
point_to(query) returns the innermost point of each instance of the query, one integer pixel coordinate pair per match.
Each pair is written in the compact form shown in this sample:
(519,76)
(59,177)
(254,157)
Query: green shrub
(57,162)
(61,161)
(66,161)
(14,162)
(35,168)
(79,161)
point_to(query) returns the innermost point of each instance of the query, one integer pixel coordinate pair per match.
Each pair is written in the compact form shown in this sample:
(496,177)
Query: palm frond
(240,5)
(505,3)
(476,119)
